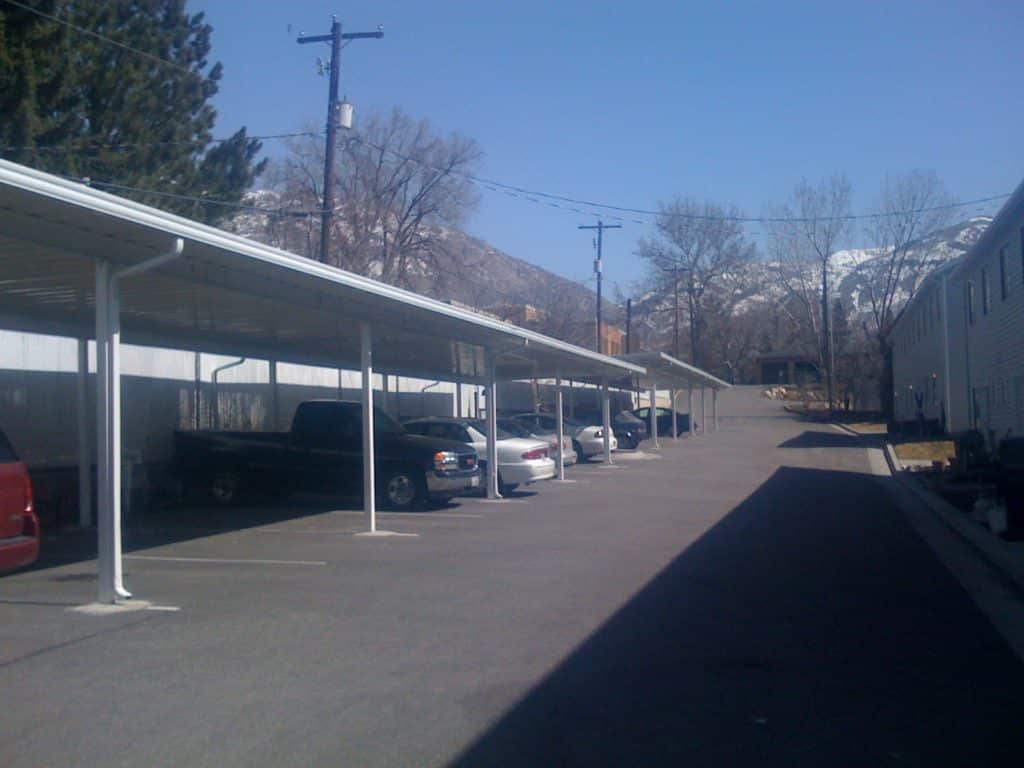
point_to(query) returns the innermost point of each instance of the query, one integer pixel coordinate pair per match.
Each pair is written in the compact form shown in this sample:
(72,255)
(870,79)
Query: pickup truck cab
(323,453)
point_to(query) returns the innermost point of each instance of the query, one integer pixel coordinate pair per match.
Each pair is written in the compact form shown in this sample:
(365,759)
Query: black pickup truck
(323,453)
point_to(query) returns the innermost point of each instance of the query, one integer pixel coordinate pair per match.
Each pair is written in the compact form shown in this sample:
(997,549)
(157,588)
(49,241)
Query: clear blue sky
(633,102)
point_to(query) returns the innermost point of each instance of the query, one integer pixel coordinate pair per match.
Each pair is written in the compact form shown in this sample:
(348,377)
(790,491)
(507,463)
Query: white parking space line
(223,560)
(310,531)
(428,515)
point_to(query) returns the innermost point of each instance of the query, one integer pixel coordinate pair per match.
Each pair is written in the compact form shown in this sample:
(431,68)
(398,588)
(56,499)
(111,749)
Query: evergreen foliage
(79,106)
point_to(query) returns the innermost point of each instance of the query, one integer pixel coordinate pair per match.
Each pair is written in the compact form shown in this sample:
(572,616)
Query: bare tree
(399,187)
(697,246)
(912,208)
(795,272)
(811,227)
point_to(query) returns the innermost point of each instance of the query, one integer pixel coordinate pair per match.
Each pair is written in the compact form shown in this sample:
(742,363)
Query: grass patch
(925,450)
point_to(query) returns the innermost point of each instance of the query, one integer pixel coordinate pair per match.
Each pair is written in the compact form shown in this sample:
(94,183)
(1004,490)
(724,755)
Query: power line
(195,199)
(551,200)
(102,38)
(524,193)
(89,146)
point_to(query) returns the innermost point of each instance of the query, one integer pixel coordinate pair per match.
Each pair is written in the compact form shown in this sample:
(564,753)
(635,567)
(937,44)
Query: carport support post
(369,486)
(606,422)
(84,454)
(675,426)
(108,436)
(703,411)
(273,396)
(492,428)
(714,408)
(560,430)
(689,410)
(654,414)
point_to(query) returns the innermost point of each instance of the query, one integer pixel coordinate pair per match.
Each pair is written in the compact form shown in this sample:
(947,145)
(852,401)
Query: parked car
(626,427)
(521,461)
(323,452)
(587,440)
(663,416)
(19,526)
(516,429)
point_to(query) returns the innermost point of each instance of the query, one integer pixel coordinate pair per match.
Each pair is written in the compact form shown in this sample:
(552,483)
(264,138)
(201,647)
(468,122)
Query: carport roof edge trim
(76,194)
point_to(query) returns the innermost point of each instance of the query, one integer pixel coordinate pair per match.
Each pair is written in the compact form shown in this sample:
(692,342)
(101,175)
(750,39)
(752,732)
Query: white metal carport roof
(666,372)
(231,295)
(82,263)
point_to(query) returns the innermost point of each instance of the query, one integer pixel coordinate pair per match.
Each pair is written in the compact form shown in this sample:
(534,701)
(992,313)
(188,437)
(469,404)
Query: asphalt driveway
(753,596)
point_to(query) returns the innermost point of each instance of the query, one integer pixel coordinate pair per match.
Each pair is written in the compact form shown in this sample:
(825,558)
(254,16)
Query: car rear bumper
(570,458)
(596,446)
(18,552)
(527,472)
(452,483)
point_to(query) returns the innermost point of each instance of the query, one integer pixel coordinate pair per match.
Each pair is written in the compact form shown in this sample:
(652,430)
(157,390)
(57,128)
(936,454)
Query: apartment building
(958,346)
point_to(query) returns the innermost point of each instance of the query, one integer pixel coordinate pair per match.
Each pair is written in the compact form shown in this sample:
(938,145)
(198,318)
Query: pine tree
(75,105)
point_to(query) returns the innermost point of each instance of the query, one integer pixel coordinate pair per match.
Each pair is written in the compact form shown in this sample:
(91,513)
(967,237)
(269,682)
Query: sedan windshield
(514,428)
(480,425)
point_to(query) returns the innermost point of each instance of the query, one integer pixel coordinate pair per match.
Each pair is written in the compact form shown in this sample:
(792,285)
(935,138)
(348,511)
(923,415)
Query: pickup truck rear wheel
(226,488)
(403,489)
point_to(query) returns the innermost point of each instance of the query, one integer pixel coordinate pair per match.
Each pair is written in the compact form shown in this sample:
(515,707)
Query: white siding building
(958,347)
(991,358)
(923,382)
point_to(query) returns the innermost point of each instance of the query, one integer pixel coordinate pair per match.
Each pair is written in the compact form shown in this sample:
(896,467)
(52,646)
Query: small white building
(958,346)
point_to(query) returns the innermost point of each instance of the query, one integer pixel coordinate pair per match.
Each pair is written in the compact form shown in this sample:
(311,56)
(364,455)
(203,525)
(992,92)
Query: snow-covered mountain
(851,269)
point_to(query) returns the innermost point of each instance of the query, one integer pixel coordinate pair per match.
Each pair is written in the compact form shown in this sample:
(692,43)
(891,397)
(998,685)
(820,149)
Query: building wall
(994,340)
(980,341)
(919,358)
(38,405)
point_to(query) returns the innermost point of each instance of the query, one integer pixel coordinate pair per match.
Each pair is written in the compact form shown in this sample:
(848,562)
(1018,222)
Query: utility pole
(629,325)
(675,309)
(826,335)
(600,227)
(334,38)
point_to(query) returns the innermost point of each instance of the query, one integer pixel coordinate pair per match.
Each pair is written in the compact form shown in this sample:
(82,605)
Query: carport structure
(666,372)
(81,263)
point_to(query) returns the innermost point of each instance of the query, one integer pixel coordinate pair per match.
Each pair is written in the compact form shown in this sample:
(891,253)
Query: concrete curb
(991,549)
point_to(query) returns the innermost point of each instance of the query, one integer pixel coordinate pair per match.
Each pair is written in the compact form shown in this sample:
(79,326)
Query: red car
(19,526)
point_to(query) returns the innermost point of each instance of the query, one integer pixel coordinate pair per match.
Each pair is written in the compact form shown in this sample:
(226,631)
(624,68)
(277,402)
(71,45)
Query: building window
(1004,282)
(984,291)
(970,303)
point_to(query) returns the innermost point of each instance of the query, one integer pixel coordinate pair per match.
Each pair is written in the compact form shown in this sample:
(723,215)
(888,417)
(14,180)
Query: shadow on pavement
(810,626)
